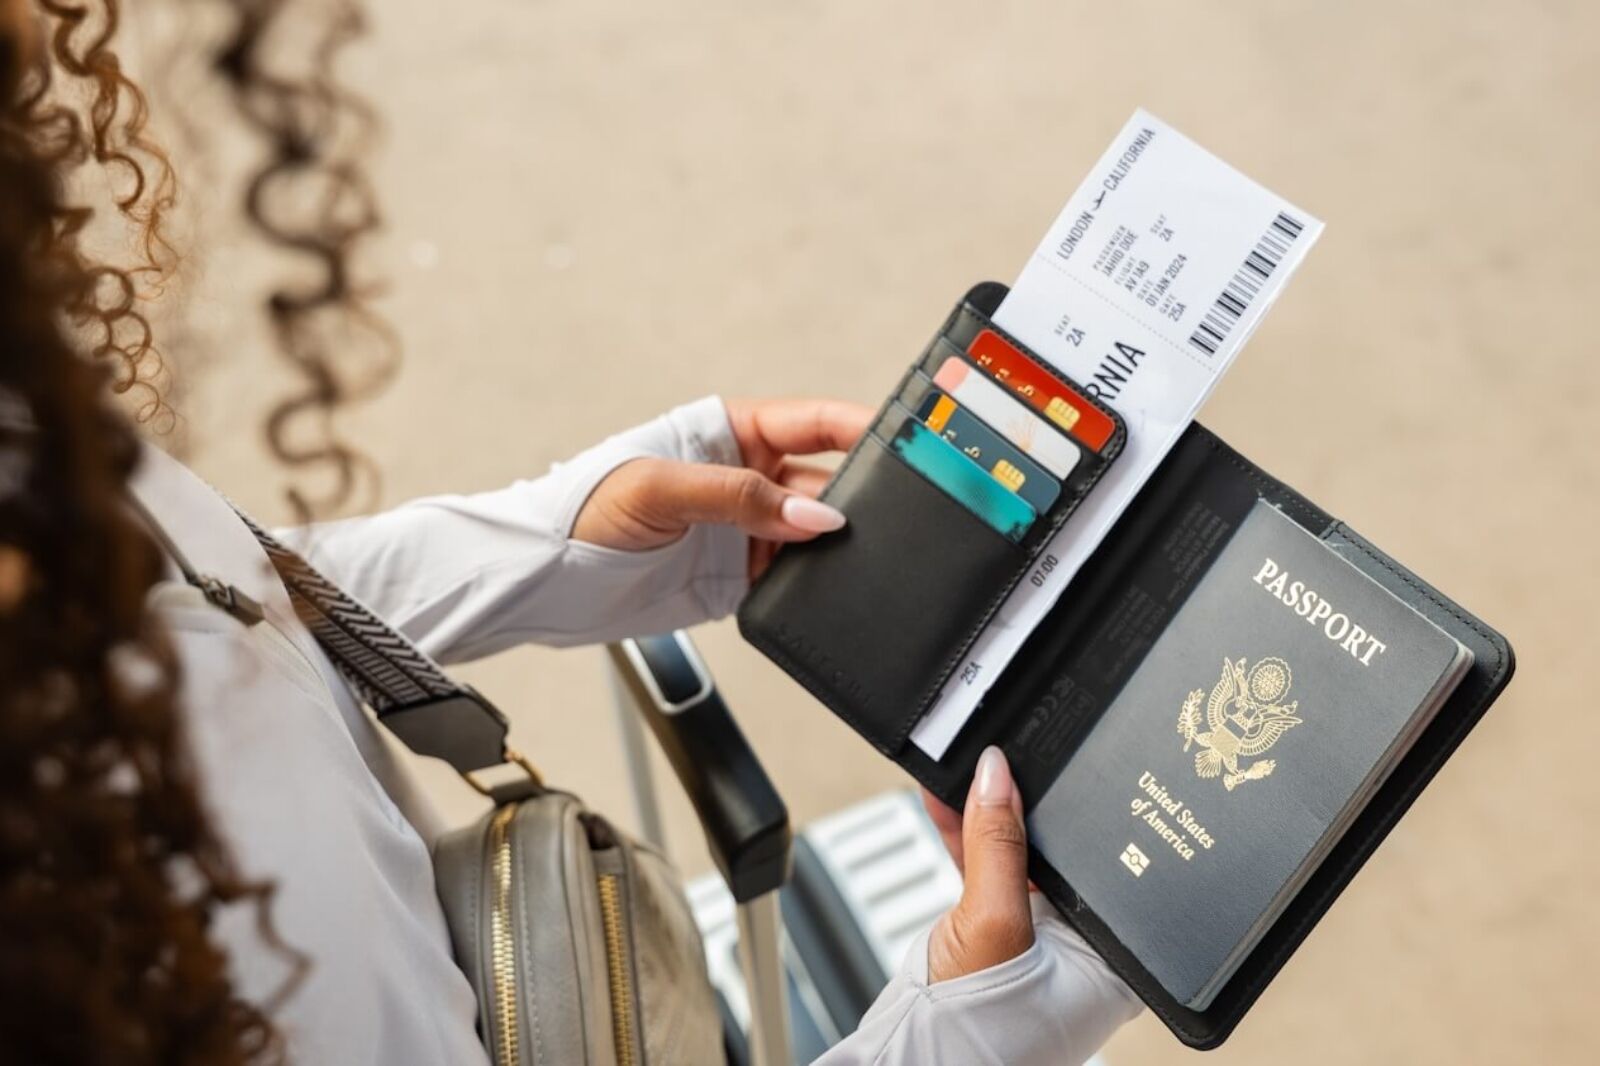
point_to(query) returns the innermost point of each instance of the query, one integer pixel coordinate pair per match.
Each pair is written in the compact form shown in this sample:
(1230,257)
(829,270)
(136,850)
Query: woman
(205,854)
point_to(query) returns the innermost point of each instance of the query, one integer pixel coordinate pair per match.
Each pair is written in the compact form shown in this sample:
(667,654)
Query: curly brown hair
(111,870)
(310,197)
(113,328)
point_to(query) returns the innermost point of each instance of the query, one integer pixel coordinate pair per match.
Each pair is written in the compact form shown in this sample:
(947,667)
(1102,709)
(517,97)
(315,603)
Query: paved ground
(598,209)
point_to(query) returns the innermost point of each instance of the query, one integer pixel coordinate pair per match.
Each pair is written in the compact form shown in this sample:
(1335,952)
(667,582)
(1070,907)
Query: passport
(1260,722)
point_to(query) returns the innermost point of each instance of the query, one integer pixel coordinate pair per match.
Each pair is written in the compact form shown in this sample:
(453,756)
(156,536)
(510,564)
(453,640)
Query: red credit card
(1003,362)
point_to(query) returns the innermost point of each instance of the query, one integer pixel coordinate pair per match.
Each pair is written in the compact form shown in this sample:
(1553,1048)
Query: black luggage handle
(745,820)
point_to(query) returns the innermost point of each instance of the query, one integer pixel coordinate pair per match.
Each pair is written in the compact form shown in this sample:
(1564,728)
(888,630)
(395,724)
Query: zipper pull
(230,599)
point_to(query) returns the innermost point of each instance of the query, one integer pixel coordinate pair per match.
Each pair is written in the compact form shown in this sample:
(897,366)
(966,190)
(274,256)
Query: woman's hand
(650,502)
(993,922)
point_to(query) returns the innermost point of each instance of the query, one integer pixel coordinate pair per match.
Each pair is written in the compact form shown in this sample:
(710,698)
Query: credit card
(1008,416)
(1041,389)
(963,480)
(1005,463)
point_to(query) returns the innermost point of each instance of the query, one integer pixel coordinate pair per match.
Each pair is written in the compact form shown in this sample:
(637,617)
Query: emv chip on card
(1008,416)
(1005,463)
(963,480)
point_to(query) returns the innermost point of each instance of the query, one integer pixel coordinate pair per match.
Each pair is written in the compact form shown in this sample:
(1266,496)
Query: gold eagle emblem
(1243,718)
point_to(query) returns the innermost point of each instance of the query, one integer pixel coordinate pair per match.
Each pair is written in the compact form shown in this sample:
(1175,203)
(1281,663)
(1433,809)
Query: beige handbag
(578,941)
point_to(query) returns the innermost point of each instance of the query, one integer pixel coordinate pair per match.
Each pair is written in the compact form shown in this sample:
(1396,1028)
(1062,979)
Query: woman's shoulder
(203,525)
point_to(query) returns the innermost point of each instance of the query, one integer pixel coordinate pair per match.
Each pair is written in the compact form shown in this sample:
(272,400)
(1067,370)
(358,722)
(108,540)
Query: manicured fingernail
(813,516)
(993,786)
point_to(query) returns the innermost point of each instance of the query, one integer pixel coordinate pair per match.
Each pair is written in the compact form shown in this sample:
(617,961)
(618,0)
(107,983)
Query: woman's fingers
(803,477)
(684,494)
(773,428)
(761,556)
(649,502)
(947,820)
(993,921)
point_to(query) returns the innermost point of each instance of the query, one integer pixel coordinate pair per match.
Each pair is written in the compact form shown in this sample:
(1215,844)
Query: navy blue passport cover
(1257,719)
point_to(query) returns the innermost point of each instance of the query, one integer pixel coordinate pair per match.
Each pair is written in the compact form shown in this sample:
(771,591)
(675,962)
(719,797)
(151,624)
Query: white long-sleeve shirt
(307,795)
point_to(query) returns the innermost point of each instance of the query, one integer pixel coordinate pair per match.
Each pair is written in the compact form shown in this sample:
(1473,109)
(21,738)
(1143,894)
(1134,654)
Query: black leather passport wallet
(873,620)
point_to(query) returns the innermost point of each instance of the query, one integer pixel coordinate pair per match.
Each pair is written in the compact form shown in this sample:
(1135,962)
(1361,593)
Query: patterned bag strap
(388,671)
(431,713)
(418,702)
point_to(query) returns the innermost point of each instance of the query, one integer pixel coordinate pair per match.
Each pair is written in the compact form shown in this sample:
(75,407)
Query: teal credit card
(963,480)
(1005,463)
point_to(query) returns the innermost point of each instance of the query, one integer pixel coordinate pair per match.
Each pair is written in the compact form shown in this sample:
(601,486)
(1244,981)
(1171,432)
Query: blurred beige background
(597,209)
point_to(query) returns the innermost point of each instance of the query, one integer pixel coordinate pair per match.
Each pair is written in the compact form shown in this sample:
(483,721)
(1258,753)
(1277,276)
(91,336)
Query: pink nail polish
(813,516)
(992,786)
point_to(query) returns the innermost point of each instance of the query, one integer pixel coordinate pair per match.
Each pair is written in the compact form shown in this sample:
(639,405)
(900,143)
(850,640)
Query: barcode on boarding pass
(1247,281)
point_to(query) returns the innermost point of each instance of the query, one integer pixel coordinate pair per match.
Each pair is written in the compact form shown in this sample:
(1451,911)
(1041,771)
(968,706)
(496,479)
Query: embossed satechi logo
(821,664)
(1244,717)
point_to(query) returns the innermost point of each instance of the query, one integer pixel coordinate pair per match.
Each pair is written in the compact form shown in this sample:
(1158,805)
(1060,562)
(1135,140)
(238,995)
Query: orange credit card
(1002,361)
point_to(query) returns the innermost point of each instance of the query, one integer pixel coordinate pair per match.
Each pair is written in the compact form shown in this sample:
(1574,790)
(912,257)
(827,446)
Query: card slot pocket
(971,487)
(1029,479)
(919,383)
(916,388)
(975,390)
(895,411)
(962,328)
(966,322)
(873,619)
(1086,469)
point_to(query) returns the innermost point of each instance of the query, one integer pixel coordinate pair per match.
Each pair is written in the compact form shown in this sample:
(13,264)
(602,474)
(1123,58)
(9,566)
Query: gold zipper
(502,945)
(618,970)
